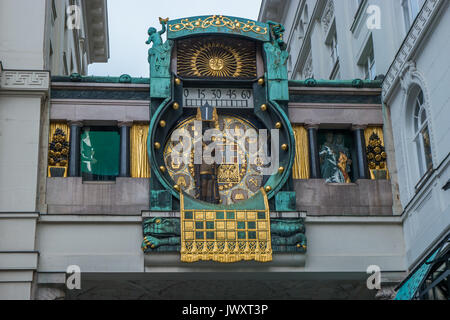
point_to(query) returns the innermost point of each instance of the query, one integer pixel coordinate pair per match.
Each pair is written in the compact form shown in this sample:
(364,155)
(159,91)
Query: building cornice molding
(94,102)
(412,41)
(306,43)
(26,81)
(96,17)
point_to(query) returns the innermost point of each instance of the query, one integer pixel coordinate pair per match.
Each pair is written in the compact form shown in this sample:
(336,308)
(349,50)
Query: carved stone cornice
(96,24)
(22,80)
(411,42)
(76,123)
(311,125)
(121,124)
(356,127)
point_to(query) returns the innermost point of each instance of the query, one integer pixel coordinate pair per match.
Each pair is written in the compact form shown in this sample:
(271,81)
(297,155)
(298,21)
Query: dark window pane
(427,148)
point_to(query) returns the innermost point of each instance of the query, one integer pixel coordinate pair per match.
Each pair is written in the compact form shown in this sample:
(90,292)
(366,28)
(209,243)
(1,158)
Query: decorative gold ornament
(177,187)
(261,81)
(244,177)
(217,21)
(176,106)
(162,123)
(278,125)
(268,189)
(285,147)
(177,81)
(281,170)
(58,153)
(157,145)
(264,107)
(215,58)
(162,169)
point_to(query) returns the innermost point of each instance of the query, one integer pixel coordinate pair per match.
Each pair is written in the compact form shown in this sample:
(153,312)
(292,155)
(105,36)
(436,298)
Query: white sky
(129,21)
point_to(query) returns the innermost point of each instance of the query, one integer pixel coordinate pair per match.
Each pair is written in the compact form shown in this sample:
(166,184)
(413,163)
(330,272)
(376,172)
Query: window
(334,48)
(54,12)
(66,68)
(411,9)
(100,153)
(422,135)
(336,74)
(370,67)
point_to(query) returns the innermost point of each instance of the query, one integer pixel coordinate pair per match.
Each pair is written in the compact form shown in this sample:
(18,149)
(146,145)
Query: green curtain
(100,153)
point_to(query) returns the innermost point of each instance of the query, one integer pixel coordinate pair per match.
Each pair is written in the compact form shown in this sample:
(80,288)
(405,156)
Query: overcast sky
(130,19)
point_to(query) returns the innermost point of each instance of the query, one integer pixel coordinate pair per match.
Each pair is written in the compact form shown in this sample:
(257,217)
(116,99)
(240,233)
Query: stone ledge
(363,198)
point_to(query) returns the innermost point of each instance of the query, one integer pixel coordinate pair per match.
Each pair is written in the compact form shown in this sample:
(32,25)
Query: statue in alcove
(335,161)
(205,174)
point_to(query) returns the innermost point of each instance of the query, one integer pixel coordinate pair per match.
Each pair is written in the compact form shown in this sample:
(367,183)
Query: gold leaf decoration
(218,22)
(213,58)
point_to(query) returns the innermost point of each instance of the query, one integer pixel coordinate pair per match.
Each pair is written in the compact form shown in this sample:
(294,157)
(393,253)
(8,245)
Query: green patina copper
(217,24)
(276,59)
(285,201)
(163,234)
(125,78)
(159,56)
(275,94)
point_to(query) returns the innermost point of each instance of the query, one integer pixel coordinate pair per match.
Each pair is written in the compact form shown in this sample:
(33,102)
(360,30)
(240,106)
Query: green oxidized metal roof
(218,24)
(125,78)
(355,83)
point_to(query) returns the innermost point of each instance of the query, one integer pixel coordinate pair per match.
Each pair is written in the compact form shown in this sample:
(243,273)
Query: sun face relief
(218,58)
(216,64)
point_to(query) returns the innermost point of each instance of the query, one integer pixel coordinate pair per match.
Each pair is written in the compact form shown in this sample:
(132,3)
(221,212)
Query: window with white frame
(411,9)
(370,66)
(422,135)
(334,48)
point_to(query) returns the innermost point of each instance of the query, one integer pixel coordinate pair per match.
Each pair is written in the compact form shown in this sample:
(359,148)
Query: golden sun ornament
(217,59)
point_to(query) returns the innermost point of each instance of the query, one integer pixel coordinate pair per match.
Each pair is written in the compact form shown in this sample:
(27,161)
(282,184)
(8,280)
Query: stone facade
(27,57)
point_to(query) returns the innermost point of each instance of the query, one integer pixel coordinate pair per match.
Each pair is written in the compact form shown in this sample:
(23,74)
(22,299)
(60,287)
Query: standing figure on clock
(207,188)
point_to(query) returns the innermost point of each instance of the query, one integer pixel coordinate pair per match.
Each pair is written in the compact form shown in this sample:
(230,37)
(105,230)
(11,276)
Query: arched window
(422,135)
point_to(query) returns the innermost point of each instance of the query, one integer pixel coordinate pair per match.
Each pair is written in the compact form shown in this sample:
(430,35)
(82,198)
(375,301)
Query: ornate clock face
(238,180)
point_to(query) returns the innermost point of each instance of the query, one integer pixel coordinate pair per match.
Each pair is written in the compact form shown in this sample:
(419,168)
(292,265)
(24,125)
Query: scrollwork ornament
(217,22)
